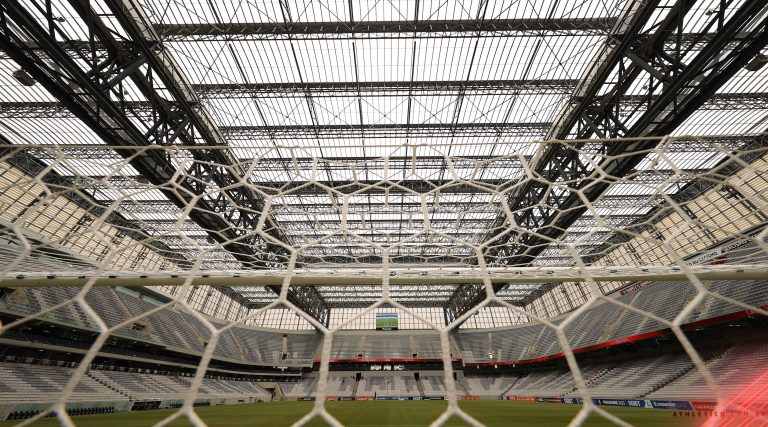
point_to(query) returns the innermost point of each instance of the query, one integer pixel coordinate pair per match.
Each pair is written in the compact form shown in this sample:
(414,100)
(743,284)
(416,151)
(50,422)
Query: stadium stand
(664,299)
(259,345)
(386,344)
(33,383)
(21,383)
(732,369)
(304,388)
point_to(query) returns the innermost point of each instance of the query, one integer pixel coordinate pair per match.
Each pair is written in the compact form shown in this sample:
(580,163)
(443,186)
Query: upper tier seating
(664,299)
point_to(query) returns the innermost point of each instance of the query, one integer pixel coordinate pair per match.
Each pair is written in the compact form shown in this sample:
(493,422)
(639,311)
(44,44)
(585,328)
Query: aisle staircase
(109,384)
(420,387)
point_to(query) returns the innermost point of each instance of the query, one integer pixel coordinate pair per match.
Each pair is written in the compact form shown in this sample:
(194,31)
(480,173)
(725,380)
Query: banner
(671,404)
(364,398)
(612,402)
(639,403)
(345,398)
(704,406)
(306,398)
(470,397)
(522,398)
(548,399)
(408,398)
(572,400)
(330,397)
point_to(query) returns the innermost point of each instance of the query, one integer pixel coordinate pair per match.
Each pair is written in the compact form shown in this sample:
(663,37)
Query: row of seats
(739,371)
(21,383)
(663,299)
(166,326)
(394,344)
(160,387)
(186,332)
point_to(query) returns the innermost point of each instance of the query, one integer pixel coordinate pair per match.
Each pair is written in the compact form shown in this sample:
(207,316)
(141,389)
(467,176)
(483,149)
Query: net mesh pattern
(282,225)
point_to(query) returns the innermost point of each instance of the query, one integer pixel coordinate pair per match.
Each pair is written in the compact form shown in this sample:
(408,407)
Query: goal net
(552,240)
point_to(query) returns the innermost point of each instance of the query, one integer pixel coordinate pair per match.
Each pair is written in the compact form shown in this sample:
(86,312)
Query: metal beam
(609,201)
(722,101)
(383,88)
(385,130)
(368,29)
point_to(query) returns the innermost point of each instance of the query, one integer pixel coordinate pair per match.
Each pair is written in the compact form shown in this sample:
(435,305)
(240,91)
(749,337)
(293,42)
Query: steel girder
(629,104)
(385,130)
(610,201)
(385,88)
(680,89)
(372,29)
(93,89)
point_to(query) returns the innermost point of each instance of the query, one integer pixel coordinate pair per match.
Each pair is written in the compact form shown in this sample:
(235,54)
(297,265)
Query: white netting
(417,227)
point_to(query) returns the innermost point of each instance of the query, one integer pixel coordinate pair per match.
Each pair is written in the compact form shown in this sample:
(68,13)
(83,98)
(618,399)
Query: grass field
(386,323)
(383,413)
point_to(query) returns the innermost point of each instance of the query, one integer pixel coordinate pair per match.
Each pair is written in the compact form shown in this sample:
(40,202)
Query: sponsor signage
(633,288)
(621,402)
(704,406)
(330,397)
(345,398)
(608,402)
(470,397)
(364,398)
(408,398)
(522,398)
(612,402)
(671,404)
(639,403)
(307,398)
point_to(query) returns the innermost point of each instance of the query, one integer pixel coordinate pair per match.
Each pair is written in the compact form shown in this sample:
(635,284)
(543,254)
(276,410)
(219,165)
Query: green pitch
(387,323)
(376,414)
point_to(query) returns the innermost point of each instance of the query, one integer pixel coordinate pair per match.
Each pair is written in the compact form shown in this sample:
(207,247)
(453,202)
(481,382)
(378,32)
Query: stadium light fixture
(757,63)
(24,78)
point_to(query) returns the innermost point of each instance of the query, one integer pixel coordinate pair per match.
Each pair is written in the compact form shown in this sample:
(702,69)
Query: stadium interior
(207,203)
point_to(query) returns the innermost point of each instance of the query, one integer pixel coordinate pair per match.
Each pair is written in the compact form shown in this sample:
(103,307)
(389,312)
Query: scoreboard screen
(386,321)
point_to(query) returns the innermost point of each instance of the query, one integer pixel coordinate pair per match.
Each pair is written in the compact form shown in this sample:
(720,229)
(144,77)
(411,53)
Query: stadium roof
(452,92)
